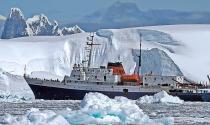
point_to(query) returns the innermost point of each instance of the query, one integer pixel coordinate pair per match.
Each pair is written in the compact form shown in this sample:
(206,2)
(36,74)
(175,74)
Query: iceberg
(14,88)
(161,97)
(97,108)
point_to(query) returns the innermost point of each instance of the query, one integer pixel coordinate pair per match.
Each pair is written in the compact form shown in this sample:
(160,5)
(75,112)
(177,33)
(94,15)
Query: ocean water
(188,113)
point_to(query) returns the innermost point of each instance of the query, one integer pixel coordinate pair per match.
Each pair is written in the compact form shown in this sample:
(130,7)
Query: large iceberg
(14,88)
(161,97)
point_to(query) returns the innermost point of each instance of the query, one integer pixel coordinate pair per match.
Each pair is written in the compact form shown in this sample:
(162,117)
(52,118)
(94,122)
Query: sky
(64,10)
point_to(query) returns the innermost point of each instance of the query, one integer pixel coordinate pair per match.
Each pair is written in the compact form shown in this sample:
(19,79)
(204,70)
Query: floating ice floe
(161,97)
(97,108)
(35,117)
(14,88)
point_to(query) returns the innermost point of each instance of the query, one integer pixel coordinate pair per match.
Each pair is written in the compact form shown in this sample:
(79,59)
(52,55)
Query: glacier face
(39,25)
(57,55)
(157,62)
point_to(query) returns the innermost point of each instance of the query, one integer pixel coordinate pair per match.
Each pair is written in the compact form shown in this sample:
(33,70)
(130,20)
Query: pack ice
(95,108)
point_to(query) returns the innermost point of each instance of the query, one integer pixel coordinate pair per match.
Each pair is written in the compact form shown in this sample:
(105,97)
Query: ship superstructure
(112,81)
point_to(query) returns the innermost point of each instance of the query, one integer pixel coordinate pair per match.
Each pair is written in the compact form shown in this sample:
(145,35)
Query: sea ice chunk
(97,108)
(161,97)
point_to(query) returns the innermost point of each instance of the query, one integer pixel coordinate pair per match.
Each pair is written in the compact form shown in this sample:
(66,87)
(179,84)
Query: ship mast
(24,70)
(139,67)
(90,43)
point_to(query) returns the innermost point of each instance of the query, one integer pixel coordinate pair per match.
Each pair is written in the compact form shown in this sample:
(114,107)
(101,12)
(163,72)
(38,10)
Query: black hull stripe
(52,93)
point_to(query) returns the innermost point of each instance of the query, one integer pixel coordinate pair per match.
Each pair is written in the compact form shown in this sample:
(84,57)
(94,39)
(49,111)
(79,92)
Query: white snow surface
(161,97)
(186,45)
(14,88)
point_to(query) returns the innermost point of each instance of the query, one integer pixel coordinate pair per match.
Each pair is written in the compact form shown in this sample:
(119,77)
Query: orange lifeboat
(131,78)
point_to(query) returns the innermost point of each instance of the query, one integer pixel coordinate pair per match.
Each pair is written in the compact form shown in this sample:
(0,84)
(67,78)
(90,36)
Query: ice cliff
(39,25)
(156,61)
(166,50)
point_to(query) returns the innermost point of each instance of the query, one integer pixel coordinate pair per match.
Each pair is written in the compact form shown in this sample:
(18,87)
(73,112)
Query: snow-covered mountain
(39,25)
(71,30)
(182,49)
(128,14)
(15,25)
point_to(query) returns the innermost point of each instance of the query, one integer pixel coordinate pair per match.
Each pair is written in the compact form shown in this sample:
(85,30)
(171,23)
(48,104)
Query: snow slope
(181,49)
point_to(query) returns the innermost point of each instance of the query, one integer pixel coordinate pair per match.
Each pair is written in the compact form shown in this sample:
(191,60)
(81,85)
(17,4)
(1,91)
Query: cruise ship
(112,81)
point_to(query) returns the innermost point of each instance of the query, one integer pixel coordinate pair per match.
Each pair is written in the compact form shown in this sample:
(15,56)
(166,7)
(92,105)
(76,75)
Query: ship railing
(51,80)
